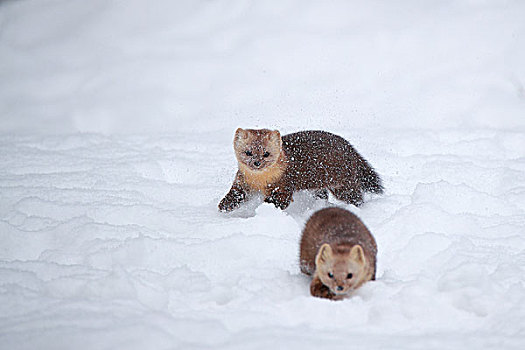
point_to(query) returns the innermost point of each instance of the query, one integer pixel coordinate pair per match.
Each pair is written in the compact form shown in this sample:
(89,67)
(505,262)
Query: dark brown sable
(338,251)
(305,160)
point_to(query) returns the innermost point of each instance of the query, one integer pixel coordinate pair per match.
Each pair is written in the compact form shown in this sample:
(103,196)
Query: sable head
(340,268)
(258,149)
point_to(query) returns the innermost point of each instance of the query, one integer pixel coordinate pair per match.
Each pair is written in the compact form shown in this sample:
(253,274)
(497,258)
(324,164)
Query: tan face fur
(341,270)
(257,149)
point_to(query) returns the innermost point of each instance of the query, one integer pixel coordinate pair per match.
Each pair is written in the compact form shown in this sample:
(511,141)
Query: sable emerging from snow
(338,251)
(305,160)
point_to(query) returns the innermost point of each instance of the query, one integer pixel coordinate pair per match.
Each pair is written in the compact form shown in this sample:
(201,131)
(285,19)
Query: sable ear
(240,134)
(239,141)
(357,254)
(275,138)
(324,254)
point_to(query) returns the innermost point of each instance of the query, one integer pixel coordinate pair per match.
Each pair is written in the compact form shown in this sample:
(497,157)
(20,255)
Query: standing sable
(338,251)
(305,160)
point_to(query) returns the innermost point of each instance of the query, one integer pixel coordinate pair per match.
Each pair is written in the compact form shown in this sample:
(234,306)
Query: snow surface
(116,125)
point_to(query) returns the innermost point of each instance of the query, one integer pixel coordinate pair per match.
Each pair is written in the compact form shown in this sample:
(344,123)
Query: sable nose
(256,163)
(339,288)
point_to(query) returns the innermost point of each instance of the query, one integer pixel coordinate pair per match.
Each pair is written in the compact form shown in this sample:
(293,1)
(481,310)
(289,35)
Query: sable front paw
(319,290)
(227,205)
(281,200)
(232,200)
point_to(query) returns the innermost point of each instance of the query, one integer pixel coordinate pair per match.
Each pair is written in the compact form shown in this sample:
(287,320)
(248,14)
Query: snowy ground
(116,122)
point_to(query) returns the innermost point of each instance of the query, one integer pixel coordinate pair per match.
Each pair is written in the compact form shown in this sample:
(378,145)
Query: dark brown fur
(311,160)
(343,232)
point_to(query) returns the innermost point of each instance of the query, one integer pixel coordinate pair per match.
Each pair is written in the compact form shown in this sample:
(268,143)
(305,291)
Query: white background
(116,122)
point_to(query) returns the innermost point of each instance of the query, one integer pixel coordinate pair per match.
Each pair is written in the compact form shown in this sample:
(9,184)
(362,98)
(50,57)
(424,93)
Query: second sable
(305,160)
(338,251)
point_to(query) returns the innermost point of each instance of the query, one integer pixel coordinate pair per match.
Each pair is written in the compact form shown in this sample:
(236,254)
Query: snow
(117,119)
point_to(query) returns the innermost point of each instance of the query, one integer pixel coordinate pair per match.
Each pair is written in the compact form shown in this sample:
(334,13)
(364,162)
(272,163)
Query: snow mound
(105,240)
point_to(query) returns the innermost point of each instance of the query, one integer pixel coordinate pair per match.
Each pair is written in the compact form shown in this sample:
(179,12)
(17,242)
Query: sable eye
(349,276)
(249,153)
(266,154)
(331,275)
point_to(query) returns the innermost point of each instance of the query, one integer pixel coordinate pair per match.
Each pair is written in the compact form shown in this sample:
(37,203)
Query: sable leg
(280,197)
(348,194)
(321,194)
(233,199)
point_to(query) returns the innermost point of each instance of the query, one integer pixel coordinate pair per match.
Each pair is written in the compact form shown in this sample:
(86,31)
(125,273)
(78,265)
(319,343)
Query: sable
(338,251)
(307,160)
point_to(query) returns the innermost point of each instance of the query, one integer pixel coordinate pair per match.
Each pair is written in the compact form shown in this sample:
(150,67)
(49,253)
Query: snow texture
(116,128)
